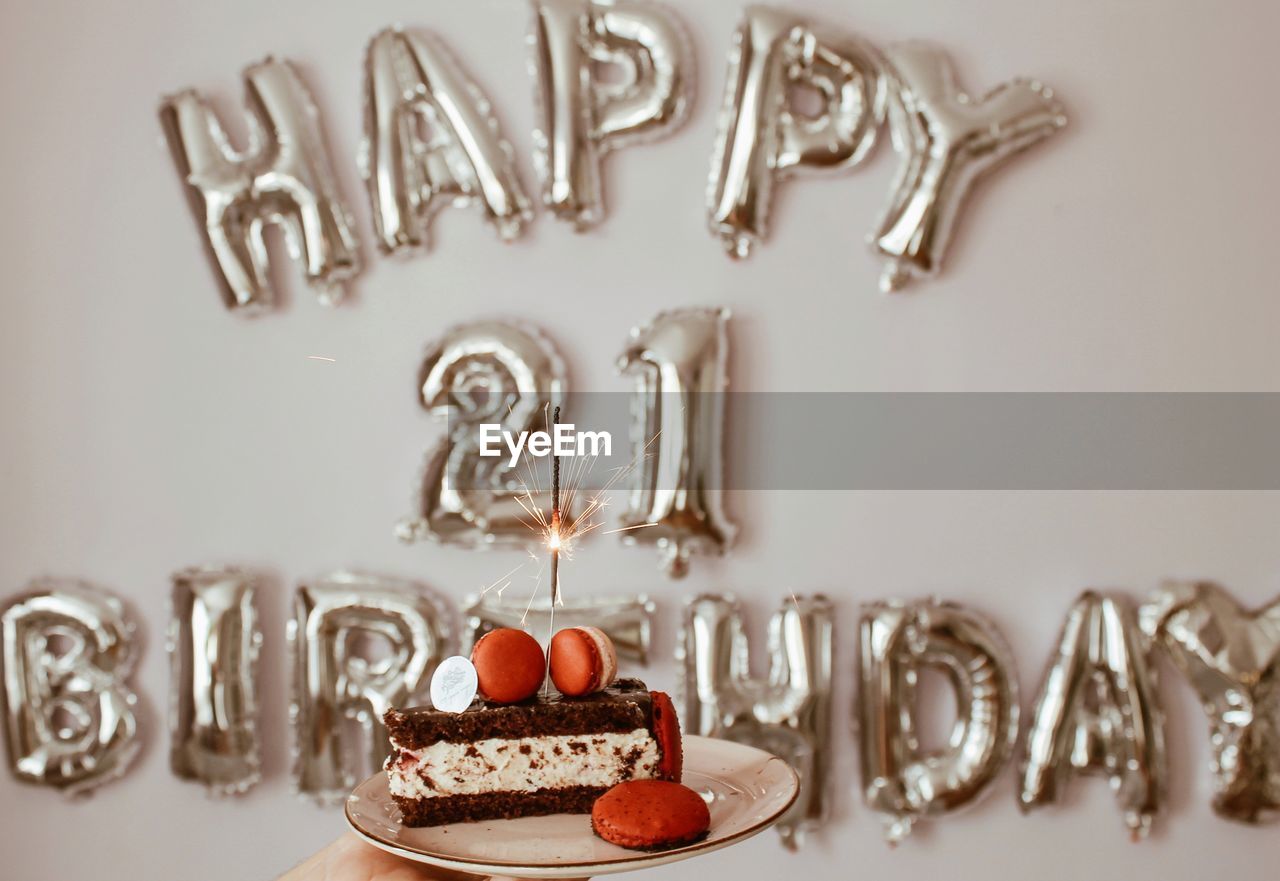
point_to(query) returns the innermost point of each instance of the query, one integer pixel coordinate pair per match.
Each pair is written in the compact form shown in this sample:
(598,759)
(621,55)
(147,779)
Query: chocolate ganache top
(624,706)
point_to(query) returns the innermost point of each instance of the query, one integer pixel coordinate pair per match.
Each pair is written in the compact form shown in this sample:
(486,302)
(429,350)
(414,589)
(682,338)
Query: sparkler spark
(629,528)
(502,578)
(559,530)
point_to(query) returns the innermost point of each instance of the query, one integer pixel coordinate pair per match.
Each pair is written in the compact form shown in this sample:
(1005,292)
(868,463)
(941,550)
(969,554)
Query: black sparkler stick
(555,515)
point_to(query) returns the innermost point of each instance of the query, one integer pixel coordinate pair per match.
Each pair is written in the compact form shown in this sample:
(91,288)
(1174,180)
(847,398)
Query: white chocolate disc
(454,684)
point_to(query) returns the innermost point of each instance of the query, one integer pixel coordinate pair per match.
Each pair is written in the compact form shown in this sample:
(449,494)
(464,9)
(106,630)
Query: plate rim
(640,858)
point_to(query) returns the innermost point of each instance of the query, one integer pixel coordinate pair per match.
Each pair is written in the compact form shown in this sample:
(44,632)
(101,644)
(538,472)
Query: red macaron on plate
(747,790)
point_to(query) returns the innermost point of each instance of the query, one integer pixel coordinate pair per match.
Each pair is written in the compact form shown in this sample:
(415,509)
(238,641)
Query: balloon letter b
(69,719)
(285,177)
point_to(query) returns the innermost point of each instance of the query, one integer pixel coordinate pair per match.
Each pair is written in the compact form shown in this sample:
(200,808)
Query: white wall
(145,429)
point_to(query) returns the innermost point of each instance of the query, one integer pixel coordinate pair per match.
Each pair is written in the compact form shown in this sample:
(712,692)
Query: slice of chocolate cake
(547,755)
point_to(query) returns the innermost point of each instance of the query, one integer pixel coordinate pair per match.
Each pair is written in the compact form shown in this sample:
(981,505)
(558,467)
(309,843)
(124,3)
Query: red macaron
(583,660)
(509,665)
(666,727)
(650,815)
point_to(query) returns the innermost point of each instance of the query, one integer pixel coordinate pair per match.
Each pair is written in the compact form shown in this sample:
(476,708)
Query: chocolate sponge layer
(623,707)
(497,805)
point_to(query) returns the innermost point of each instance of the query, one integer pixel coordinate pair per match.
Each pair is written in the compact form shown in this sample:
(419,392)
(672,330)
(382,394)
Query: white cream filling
(607,654)
(524,764)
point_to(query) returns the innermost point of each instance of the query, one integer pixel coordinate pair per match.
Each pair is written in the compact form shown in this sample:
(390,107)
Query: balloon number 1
(491,372)
(679,362)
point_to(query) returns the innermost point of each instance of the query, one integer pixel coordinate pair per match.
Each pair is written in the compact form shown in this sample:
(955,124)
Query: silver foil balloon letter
(285,177)
(361,645)
(677,427)
(214,639)
(760,139)
(484,372)
(1098,711)
(901,781)
(1232,658)
(413,80)
(628,620)
(947,140)
(581,115)
(789,714)
(69,712)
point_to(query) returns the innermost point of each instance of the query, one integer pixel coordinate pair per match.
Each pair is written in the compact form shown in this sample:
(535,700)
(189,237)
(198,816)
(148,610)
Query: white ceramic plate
(747,790)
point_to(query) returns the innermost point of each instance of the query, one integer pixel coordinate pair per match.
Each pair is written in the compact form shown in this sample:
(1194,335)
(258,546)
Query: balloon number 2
(481,373)
(491,372)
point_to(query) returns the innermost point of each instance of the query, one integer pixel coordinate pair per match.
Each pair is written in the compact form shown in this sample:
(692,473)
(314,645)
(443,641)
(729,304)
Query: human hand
(350,859)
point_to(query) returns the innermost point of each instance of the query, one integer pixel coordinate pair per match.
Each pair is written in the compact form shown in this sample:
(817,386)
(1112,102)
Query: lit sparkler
(559,529)
(553,535)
